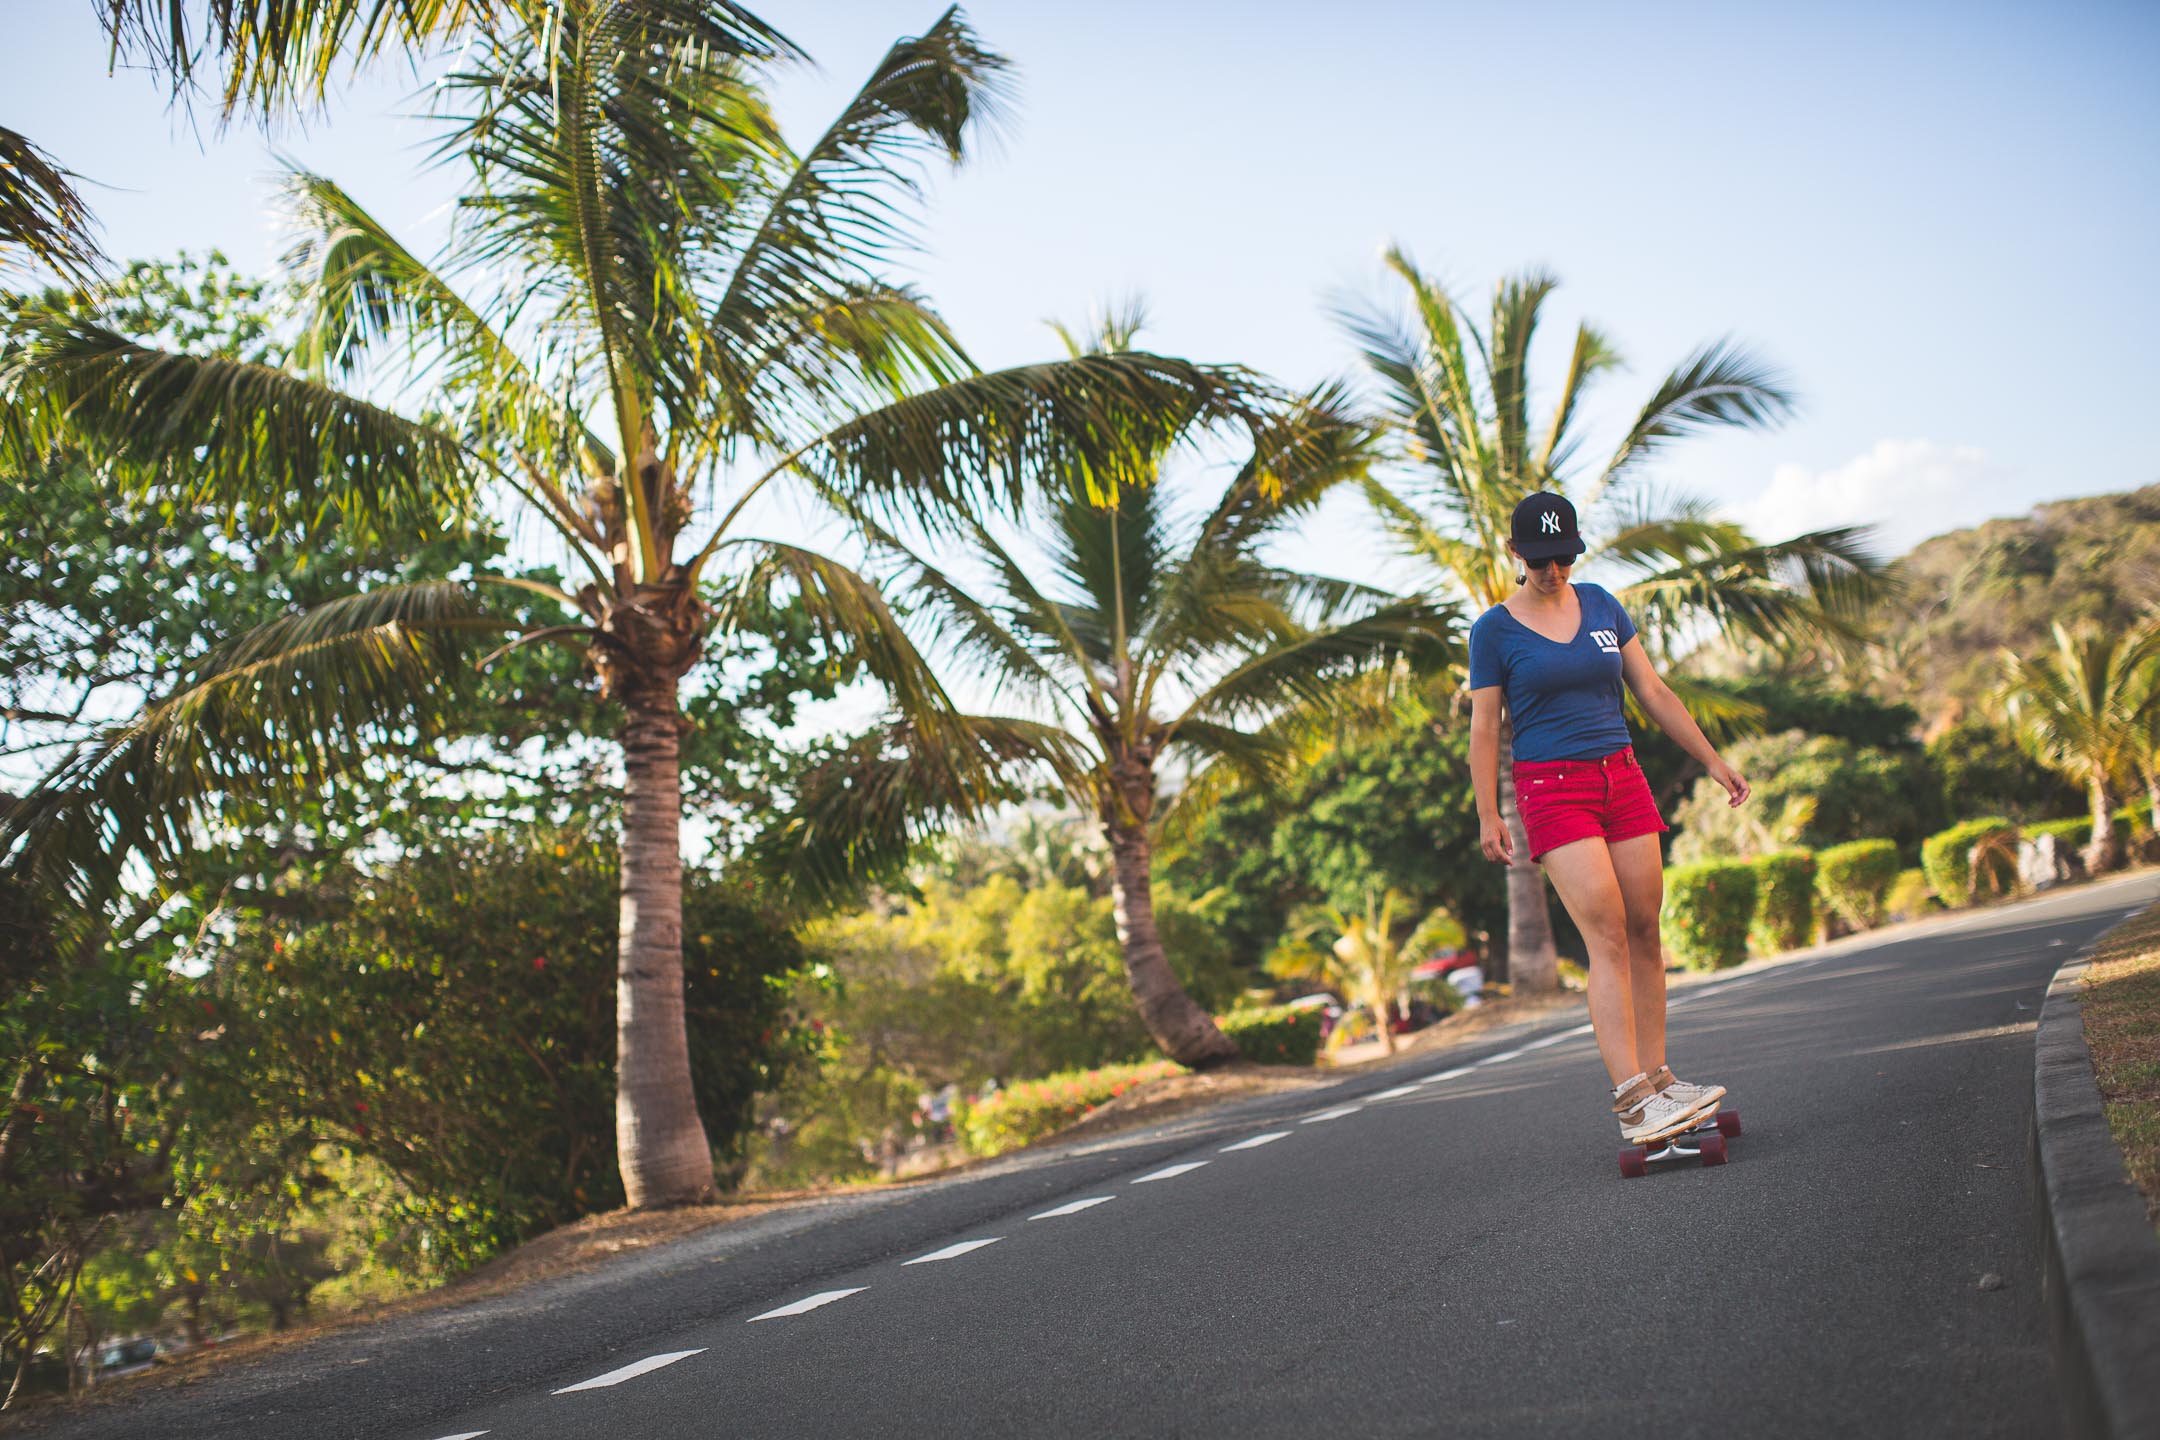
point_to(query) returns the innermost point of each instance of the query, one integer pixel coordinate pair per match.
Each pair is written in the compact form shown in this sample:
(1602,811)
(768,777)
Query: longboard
(1704,1141)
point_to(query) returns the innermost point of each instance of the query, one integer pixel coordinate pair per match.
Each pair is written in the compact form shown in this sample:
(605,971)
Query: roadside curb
(2100,1265)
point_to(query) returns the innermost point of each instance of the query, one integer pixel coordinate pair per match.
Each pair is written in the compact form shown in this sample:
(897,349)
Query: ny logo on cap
(1549,522)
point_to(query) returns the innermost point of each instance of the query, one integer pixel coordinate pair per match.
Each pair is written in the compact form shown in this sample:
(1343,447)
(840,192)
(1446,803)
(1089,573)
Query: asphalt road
(1448,1248)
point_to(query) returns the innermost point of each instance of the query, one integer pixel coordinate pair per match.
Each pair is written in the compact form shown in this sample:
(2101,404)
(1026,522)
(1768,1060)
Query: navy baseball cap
(1544,526)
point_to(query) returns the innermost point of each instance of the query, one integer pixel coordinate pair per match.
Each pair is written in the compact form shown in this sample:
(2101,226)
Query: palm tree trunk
(2102,853)
(1186,1033)
(660,1143)
(1533,966)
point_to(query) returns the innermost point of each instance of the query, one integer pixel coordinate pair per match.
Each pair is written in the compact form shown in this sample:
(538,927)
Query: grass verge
(2122,1027)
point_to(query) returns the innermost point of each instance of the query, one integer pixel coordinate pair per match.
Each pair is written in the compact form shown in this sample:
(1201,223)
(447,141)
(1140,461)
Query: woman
(1556,654)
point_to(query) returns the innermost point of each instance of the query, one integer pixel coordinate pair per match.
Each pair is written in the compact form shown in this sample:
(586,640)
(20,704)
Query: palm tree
(1143,643)
(659,309)
(2085,711)
(1457,404)
(1373,955)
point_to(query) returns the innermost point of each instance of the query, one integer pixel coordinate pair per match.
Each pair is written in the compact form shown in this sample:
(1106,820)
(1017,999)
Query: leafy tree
(643,248)
(1467,451)
(1229,849)
(43,219)
(2084,709)
(1142,642)
(1985,771)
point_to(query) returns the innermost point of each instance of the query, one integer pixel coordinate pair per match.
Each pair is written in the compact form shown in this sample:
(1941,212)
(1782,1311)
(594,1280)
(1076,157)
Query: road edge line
(2100,1260)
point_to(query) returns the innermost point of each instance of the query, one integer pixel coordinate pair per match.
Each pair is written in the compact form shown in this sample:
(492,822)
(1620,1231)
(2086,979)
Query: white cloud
(1908,489)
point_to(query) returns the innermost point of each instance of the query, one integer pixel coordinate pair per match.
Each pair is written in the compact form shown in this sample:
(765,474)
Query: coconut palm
(2086,711)
(654,310)
(1143,643)
(1457,402)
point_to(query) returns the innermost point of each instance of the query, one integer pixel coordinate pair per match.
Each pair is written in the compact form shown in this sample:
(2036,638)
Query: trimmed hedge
(1784,902)
(1946,858)
(1708,908)
(1276,1035)
(1025,1112)
(1909,896)
(1853,880)
(2075,832)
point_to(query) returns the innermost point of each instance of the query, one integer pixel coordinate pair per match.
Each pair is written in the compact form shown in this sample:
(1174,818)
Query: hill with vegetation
(2003,583)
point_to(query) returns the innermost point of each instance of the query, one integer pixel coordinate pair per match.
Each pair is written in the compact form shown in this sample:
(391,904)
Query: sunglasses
(1563,561)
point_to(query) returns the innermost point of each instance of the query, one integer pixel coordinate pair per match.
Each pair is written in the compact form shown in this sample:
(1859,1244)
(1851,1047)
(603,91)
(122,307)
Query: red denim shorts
(1562,801)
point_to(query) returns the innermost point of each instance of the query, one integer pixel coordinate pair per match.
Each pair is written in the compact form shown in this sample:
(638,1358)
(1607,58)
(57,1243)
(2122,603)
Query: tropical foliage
(2088,711)
(681,273)
(1367,954)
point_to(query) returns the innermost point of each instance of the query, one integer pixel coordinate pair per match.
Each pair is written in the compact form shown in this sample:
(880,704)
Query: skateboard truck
(1704,1141)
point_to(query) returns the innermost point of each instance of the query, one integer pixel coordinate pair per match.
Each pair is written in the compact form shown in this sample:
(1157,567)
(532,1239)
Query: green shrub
(1708,907)
(1277,1035)
(1025,1112)
(1946,857)
(1909,896)
(1853,880)
(1784,902)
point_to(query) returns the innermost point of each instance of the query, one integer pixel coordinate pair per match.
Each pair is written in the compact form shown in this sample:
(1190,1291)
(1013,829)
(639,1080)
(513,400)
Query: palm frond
(1592,356)
(296,702)
(43,221)
(1516,303)
(1418,633)
(832,218)
(1098,422)
(853,615)
(859,813)
(224,432)
(360,290)
(1720,384)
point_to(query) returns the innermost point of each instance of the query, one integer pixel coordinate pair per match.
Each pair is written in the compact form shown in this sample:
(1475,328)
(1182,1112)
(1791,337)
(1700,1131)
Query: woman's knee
(1646,943)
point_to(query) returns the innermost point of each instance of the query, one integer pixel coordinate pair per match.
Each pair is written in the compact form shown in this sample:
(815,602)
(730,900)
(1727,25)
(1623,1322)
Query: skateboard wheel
(1634,1162)
(1713,1149)
(1728,1122)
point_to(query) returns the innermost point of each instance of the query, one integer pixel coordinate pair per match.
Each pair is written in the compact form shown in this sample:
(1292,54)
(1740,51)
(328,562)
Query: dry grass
(2122,1026)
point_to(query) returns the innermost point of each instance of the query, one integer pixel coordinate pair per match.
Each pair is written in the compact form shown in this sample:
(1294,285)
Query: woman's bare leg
(1639,867)
(1583,874)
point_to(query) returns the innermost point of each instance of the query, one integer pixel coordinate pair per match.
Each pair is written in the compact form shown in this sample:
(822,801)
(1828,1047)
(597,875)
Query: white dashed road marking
(1336,1114)
(801,1307)
(1503,1055)
(1075,1207)
(463,1435)
(1254,1142)
(1397,1093)
(1541,1044)
(1171,1172)
(1456,1074)
(628,1372)
(951,1251)
(1583,1030)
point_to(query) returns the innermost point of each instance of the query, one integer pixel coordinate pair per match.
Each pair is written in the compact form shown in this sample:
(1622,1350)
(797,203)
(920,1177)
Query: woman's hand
(1495,839)
(1734,782)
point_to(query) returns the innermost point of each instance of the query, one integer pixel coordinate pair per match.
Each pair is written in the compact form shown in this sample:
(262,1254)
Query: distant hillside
(2004,582)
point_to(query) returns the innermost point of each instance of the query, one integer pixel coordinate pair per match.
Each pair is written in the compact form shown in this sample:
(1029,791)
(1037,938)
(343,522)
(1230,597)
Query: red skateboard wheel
(1713,1150)
(1728,1122)
(1634,1162)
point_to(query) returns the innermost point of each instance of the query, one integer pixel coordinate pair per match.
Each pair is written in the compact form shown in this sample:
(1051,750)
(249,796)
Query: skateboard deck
(1704,1141)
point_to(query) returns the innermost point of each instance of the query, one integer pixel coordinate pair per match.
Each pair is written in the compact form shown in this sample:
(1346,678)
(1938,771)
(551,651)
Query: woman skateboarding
(1556,655)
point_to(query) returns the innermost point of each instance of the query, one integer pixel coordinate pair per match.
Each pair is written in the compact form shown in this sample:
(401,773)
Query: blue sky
(1938,220)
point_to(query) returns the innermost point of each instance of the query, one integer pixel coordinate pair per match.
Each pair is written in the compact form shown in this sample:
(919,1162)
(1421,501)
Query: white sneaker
(1662,1078)
(1647,1114)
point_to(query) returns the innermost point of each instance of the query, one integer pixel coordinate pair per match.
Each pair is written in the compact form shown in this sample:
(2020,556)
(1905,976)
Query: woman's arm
(1493,836)
(1661,705)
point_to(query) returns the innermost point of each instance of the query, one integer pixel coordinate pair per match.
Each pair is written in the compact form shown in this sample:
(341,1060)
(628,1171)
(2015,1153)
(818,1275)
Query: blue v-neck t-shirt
(1565,699)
